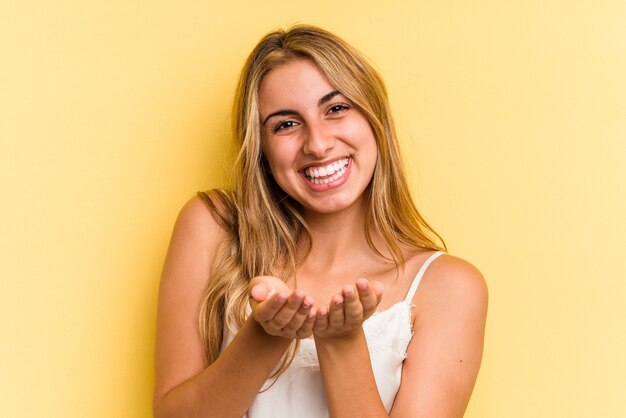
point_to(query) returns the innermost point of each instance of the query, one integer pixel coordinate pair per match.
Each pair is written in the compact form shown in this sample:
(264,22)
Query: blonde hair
(263,225)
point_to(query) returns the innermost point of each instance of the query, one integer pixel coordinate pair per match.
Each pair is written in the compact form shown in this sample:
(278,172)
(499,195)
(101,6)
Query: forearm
(348,378)
(228,386)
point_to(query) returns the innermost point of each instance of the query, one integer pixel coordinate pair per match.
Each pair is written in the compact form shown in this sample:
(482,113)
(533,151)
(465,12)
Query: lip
(326,186)
(323,164)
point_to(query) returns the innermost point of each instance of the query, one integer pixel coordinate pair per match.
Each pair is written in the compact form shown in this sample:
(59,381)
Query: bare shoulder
(451,291)
(196,235)
(456,279)
(195,239)
(196,218)
(197,228)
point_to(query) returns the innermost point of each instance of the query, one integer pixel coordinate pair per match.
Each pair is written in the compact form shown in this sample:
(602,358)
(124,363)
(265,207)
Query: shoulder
(195,212)
(452,272)
(451,283)
(201,218)
(207,208)
(196,235)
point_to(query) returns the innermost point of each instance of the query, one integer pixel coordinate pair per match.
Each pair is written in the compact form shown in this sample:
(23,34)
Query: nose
(318,141)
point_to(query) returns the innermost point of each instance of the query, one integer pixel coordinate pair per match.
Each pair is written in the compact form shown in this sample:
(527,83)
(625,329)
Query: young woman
(296,294)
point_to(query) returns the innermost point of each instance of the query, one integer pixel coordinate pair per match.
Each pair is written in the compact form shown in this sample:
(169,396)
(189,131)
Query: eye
(337,108)
(286,124)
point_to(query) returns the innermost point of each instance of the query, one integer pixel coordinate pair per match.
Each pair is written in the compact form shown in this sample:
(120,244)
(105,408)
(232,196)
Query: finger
(353,309)
(378,289)
(321,320)
(335,313)
(306,329)
(288,310)
(259,292)
(261,287)
(299,316)
(266,310)
(367,296)
(273,283)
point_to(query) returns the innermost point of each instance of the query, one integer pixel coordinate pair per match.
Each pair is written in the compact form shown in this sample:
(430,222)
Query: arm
(445,352)
(184,385)
(343,354)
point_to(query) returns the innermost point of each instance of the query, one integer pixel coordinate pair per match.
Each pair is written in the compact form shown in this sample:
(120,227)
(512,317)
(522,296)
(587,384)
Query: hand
(282,312)
(348,309)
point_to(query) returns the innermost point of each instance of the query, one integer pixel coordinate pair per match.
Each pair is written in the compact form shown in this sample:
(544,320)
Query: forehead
(299,82)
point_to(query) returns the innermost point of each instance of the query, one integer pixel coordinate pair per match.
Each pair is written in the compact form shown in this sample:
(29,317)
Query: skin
(318,129)
(340,283)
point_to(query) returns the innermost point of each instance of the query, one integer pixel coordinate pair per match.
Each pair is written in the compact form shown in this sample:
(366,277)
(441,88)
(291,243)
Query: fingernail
(361,284)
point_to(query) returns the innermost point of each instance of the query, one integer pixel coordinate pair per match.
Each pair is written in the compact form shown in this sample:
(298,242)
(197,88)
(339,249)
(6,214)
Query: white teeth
(328,179)
(334,171)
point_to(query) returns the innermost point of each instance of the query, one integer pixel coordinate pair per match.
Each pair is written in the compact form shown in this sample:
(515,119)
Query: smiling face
(319,147)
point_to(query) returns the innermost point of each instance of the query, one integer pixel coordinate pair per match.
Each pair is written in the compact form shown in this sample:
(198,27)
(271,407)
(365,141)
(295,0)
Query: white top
(298,391)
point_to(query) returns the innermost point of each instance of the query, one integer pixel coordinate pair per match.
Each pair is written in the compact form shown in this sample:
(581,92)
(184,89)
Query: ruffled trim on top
(388,330)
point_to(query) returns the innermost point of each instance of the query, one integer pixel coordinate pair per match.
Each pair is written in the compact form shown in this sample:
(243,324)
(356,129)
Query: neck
(338,238)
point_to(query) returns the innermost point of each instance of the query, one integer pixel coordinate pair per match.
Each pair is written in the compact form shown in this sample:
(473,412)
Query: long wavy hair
(264,227)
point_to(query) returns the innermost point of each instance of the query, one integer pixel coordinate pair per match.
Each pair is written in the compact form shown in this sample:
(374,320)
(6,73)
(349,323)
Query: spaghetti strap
(420,274)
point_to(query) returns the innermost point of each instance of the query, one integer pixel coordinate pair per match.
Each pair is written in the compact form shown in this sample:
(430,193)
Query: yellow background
(113,113)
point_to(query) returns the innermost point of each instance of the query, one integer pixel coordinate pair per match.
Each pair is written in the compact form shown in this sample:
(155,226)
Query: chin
(330,206)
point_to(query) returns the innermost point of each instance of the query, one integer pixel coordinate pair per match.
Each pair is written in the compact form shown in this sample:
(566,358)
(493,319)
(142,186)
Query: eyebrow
(328,96)
(284,112)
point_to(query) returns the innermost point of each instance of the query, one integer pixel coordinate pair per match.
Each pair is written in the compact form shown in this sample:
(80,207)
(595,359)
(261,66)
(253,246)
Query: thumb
(259,291)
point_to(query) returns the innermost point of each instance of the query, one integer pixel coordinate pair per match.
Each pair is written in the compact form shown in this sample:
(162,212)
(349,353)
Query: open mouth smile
(328,173)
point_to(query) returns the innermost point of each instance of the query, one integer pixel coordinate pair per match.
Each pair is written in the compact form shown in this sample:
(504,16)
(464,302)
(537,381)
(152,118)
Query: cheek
(278,165)
(280,153)
(275,160)
(359,130)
